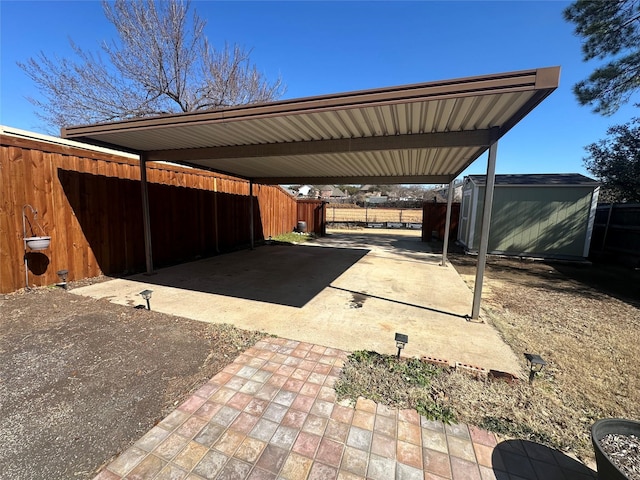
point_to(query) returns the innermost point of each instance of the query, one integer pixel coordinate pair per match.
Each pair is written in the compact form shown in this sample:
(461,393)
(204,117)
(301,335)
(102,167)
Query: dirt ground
(81,379)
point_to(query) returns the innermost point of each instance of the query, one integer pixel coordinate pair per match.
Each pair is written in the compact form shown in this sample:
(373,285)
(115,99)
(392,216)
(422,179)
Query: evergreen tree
(610,30)
(616,162)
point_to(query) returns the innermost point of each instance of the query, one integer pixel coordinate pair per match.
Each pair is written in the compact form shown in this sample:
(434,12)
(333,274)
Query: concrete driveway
(349,290)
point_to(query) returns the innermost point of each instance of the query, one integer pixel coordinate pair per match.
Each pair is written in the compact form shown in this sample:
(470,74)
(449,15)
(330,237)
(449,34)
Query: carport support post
(251,213)
(484,230)
(146,217)
(447,225)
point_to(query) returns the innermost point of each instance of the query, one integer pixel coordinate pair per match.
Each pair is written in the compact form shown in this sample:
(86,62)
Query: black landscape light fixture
(63,274)
(146,294)
(536,364)
(401,341)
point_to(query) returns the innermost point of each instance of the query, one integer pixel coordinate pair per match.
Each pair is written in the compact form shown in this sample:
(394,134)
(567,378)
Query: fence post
(447,225)
(606,229)
(251,213)
(146,216)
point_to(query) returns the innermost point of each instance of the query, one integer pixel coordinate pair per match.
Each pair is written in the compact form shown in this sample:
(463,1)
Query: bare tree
(160,63)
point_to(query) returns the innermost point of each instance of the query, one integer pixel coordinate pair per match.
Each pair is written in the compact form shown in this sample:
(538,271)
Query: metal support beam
(456,139)
(351,179)
(251,213)
(215,214)
(484,230)
(146,217)
(447,225)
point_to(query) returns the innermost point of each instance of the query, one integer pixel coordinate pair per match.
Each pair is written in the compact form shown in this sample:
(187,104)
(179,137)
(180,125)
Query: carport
(421,133)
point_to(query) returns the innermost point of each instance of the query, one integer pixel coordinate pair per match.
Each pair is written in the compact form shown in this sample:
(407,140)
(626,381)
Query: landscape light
(536,364)
(63,277)
(146,294)
(401,341)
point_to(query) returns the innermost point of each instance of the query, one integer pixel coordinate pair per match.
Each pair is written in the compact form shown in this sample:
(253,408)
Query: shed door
(465,213)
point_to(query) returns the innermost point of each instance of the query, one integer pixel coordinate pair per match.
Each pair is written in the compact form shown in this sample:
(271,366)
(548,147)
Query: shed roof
(422,133)
(538,179)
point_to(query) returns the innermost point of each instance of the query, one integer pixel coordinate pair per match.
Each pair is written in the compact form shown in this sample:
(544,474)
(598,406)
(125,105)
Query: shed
(534,215)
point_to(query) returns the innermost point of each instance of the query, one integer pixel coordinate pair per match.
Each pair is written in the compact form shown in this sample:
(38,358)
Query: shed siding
(537,221)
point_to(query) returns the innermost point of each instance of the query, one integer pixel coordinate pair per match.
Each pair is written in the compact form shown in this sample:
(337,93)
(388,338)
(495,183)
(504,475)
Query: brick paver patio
(272,414)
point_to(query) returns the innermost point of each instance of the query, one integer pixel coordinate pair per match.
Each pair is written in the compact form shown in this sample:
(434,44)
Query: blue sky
(329,47)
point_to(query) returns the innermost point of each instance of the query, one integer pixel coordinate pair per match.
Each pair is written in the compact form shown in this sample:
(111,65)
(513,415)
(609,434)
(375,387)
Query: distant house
(330,192)
(443,192)
(538,215)
(376,200)
(370,190)
(307,191)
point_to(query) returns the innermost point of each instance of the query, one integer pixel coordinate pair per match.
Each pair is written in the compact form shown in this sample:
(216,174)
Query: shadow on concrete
(288,275)
(532,461)
(360,297)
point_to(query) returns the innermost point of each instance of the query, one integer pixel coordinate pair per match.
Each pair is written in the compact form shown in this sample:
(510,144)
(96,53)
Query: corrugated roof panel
(287,130)
(476,117)
(453,158)
(444,110)
(421,160)
(364,162)
(398,125)
(329,123)
(362,118)
(298,128)
(406,118)
(376,125)
(260,131)
(415,114)
(349,126)
(509,102)
(456,120)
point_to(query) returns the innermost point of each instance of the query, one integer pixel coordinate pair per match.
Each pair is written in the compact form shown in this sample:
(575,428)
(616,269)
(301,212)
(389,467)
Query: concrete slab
(349,290)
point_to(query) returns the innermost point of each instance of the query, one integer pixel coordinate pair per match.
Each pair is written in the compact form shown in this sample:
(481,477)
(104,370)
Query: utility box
(533,215)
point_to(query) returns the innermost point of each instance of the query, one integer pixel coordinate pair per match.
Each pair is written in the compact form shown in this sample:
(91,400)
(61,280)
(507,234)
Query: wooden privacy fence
(434,216)
(89,203)
(616,232)
(313,212)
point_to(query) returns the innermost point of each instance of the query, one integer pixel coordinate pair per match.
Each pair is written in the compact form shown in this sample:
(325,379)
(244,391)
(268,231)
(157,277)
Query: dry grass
(374,215)
(590,338)
(399,383)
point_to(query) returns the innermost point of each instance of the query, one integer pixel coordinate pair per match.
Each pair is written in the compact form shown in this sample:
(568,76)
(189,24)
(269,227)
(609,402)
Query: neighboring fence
(362,215)
(434,216)
(89,202)
(616,232)
(313,212)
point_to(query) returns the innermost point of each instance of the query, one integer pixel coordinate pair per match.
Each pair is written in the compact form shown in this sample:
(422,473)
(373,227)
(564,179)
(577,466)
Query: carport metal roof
(422,133)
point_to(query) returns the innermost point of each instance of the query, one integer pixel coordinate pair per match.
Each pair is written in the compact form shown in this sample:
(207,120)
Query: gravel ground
(82,379)
(624,452)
